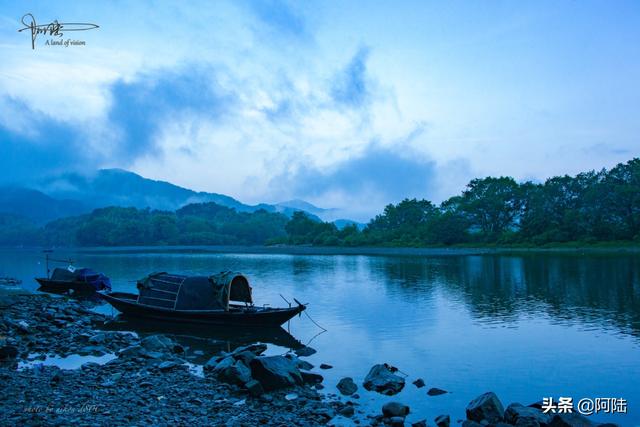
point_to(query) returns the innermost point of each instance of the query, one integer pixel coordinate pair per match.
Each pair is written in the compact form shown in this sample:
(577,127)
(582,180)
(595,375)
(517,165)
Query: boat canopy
(180,292)
(92,277)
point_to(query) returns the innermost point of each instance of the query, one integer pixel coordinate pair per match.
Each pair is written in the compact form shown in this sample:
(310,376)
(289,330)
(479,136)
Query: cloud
(280,17)
(141,108)
(34,144)
(350,85)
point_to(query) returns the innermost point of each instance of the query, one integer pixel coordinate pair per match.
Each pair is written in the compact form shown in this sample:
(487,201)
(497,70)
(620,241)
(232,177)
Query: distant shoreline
(353,250)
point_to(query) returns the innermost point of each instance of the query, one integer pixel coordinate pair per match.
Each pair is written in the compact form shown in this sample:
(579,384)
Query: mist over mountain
(71,194)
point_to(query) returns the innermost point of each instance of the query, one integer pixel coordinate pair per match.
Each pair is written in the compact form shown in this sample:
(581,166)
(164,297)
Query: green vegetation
(593,208)
(195,224)
(590,208)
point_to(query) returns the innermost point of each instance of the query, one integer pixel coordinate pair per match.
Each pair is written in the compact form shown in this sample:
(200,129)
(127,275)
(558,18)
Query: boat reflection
(203,341)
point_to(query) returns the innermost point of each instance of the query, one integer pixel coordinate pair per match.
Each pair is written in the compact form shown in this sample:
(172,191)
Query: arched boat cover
(87,275)
(180,292)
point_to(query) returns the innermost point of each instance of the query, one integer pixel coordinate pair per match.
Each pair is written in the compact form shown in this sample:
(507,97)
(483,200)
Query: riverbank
(371,250)
(125,380)
(62,369)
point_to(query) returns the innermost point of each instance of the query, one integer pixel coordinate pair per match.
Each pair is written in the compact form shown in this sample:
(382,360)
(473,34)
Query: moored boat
(199,299)
(74,280)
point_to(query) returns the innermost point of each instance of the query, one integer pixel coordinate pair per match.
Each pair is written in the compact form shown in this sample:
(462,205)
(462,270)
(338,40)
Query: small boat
(74,280)
(199,299)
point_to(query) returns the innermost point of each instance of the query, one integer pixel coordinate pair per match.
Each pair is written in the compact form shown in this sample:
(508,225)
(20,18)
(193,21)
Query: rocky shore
(150,380)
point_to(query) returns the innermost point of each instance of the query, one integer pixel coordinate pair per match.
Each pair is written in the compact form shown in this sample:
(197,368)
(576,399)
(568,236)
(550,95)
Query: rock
(305,351)
(255,388)
(469,423)
(304,365)
(230,371)
(157,343)
(311,377)
(347,411)
(421,423)
(570,420)
(325,366)
(8,351)
(97,338)
(346,386)
(396,421)
(256,349)
(515,411)
(245,356)
(275,372)
(436,391)
(132,351)
(523,422)
(167,365)
(485,407)
(442,421)
(381,378)
(395,409)
(419,383)
(340,421)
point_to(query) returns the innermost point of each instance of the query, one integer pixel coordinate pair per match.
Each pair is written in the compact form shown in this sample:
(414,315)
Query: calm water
(525,327)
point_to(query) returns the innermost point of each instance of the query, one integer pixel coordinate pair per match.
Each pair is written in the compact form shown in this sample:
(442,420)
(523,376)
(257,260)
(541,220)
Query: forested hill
(587,208)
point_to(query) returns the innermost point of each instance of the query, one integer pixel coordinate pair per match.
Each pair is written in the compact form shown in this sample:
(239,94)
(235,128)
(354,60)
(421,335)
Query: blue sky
(345,104)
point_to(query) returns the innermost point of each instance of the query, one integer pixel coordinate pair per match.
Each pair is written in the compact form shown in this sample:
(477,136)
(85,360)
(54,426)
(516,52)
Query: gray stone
(311,377)
(8,351)
(442,421)
(238,373)
(255,388)
(419,383)
(325,366)
(381,378)
(396,421)
(275,372)
(485,407)
(515,411)
(395,409)
(421,423)
(340,421)
(305,351)
(157,343)
(346,386)
(435,391)
(167,365)
(347,411)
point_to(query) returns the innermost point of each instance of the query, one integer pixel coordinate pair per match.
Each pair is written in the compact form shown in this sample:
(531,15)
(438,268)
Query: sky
(348,105)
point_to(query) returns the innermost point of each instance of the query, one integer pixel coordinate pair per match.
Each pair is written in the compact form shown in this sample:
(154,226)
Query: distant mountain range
(74,194)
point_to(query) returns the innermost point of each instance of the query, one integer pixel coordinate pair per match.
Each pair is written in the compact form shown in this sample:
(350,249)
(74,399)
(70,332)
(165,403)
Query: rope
(314,322)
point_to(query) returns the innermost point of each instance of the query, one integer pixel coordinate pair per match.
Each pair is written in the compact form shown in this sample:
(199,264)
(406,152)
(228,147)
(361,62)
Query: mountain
(301,205)
(117,187)
(72,194)
(37,206)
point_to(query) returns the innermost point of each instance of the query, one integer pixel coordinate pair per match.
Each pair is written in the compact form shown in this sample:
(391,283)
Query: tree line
(587,208)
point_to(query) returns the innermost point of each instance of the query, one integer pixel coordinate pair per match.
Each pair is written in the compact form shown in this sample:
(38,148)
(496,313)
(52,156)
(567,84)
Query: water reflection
(502,288)
(203,341)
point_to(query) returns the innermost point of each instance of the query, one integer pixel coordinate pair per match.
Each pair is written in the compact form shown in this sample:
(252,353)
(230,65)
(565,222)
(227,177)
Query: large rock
(238,373)
(381,378)
(8,351)
(158,343)
(516,411)
(395,409)
(311,377)
(275,372)
(443,421)
(346,386)
(485,407)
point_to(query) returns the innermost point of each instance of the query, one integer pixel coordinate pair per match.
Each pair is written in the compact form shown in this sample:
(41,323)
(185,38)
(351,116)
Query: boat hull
(251,316)
(63,286)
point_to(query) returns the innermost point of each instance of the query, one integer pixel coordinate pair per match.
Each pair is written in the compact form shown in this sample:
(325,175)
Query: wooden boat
(74,280)
(199,299)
